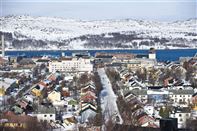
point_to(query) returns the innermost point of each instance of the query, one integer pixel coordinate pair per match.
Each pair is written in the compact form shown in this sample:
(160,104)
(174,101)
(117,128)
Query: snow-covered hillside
(57,33)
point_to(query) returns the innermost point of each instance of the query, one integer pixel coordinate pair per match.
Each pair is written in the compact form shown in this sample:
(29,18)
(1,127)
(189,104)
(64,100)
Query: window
(183,99)
(51,115)
(181,119)
(45,115)
(180,115)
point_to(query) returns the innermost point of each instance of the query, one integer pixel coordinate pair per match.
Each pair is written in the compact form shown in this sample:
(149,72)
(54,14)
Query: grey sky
(162,10)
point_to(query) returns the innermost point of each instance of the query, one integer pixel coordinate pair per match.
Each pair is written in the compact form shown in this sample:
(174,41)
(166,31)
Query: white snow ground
(108,99)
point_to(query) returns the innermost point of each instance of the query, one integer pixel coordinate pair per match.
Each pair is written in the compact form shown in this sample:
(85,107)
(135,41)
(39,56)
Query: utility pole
(2,46)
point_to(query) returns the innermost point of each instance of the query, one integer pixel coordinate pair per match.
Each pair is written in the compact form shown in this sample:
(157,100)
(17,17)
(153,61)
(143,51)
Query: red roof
(42,83)
(52,77)
(144,119)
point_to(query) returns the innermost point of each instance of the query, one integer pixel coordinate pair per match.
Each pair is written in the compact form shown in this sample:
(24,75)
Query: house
(38,90)
(52,77)
(103,59)
(22,104)
(133,83)
(194,106)
(2,92)
(89,87)
(93,128)
(27,63)
(146,121)
(182,114)
(88,96)
(128,96)
(54,96)
(45,83)
(69,122)
(17,110)
(44,113)
(194,101)
(42,61)
(141,95)
(88,111)
(157,96)
(29,98)
(125,75)
(149,110)
(7,84)
(115,57)
(3,61)
(137,63)
(168,81)
(71,104)
(182,96)
(65,92)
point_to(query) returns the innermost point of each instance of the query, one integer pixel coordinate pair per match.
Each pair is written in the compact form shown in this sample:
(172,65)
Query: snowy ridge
(59,29)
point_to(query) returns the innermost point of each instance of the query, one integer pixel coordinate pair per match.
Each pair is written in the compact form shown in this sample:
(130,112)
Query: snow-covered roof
(7,82)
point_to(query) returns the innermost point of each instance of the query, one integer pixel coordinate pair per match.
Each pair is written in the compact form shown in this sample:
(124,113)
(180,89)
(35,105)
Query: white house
(87,112)
(181,96)
(29,98)
(45,114)
(141,95)
(152,54)
(6,83)
(71,65)
(182,115)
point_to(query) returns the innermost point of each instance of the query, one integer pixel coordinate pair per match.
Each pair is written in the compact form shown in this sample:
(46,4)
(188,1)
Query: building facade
(71,64)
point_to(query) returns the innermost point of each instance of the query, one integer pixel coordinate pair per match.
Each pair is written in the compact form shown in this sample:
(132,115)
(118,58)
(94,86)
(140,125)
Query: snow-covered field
(49,28)
(108,99)
(69,31)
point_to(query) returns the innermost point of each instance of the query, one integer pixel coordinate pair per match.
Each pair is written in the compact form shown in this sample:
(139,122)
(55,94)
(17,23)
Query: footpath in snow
(108,99)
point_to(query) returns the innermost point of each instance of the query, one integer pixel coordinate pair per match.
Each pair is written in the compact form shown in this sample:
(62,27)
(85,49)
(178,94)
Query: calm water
(162,55)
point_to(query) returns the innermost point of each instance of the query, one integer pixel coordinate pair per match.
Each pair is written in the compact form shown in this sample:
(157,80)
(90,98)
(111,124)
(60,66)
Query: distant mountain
(37,33)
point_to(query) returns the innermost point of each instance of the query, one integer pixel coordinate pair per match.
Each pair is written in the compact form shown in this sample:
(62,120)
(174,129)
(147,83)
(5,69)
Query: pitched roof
(184,92)
(45,110)
(7,82)
(139,92)
(88,106)
(42,60)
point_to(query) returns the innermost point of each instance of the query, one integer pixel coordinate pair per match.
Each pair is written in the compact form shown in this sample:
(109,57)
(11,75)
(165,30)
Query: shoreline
(118,49)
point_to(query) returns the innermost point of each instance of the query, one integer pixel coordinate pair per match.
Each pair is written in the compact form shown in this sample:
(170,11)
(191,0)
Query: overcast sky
(161,10)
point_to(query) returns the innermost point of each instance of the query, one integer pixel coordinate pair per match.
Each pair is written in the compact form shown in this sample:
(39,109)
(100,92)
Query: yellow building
(195,107)
(37,90)
(2,92)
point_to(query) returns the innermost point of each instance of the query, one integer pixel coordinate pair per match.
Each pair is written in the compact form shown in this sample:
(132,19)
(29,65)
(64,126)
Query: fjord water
(162,55)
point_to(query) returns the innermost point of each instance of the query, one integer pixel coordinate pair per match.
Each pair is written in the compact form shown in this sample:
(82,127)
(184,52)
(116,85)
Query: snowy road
(108,99)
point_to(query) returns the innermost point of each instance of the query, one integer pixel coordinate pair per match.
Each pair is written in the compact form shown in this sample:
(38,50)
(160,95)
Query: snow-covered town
(105,92)
(98,65)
